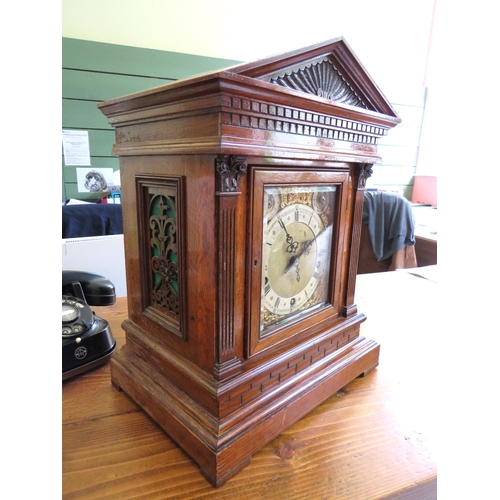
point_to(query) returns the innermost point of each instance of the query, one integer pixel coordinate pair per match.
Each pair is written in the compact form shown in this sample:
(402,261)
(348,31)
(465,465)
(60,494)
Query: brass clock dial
(296,251)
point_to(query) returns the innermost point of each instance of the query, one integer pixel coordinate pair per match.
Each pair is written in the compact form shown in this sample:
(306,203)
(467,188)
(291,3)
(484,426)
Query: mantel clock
(242,198)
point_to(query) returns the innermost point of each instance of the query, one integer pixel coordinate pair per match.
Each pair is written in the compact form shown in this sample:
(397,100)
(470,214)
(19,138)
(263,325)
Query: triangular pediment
(317,98)
(329,70)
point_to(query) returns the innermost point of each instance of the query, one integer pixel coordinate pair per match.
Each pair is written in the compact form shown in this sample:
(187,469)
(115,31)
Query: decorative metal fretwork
(320,78)
(164,253)
(291,196)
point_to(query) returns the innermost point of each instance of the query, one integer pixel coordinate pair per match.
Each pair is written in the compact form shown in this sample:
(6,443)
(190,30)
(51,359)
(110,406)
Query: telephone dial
(87,341)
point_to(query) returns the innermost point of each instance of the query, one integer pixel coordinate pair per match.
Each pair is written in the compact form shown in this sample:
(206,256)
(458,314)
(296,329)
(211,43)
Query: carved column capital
(228,171)
(363,172)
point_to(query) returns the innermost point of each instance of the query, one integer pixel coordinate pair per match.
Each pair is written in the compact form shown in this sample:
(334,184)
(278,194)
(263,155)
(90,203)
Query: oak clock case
(242,209)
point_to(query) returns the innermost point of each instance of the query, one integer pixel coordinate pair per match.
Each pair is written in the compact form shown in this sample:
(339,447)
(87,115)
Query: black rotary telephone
(87,341)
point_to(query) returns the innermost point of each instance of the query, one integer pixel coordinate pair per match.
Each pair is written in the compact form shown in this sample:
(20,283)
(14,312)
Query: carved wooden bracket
(229,170)
(363,172)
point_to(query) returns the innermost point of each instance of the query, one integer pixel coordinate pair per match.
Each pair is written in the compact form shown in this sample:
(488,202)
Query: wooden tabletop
(374,439)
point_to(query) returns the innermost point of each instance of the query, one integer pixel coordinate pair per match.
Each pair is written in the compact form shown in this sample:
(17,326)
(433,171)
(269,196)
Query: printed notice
(76,147)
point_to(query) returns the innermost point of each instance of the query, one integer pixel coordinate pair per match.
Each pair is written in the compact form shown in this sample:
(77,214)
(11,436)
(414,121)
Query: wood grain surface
(375,438)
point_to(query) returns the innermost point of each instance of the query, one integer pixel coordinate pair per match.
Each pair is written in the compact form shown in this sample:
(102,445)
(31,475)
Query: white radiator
(102,255)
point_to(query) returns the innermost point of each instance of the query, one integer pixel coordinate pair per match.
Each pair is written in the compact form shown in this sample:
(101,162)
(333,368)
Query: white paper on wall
(76,148)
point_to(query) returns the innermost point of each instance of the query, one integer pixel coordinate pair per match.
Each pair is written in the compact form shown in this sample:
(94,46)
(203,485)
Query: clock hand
(292,245)
(305,249)
(294,259)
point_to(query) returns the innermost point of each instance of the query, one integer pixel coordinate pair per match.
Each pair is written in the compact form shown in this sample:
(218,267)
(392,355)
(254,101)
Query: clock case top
(317,101)
(310,116)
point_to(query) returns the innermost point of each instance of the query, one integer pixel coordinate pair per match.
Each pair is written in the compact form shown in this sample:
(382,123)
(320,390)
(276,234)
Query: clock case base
(222,447)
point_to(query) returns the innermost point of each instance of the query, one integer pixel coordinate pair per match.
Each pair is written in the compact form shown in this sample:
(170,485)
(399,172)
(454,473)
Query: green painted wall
(93,72)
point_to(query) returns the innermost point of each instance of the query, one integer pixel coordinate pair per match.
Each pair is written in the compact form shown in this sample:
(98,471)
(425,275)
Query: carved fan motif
(322,79)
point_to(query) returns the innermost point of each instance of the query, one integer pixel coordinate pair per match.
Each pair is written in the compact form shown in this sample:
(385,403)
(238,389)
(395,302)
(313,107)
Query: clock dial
(296,252)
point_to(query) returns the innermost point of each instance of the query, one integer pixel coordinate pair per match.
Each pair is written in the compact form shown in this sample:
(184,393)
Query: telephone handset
(87,341)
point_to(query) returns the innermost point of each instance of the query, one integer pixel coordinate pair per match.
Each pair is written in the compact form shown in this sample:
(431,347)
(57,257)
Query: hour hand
(292,245)
(306,246)
(294,259)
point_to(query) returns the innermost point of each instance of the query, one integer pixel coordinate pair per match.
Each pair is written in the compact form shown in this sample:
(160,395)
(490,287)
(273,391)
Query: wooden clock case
(192,155)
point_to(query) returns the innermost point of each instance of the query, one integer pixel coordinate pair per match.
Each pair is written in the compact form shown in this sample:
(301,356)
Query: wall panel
(93,72)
